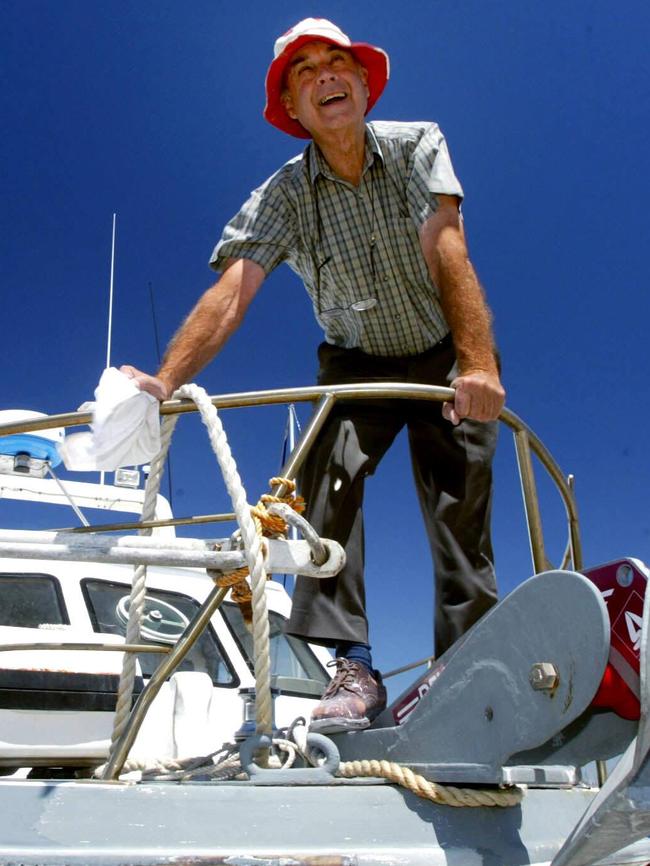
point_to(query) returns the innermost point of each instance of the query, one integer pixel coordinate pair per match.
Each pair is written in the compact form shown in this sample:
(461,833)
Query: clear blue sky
(153,110)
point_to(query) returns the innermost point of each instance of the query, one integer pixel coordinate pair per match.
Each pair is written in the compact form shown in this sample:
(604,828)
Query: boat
(206,758)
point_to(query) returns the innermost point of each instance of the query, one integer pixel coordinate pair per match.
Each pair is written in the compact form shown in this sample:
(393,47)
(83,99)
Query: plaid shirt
(355,246)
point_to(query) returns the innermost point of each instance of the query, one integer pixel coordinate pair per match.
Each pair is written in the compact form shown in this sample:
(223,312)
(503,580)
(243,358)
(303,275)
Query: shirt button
(385,279)
(397,317)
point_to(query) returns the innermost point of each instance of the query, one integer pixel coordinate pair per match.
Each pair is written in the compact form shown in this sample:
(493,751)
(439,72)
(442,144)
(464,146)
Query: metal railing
(526,445)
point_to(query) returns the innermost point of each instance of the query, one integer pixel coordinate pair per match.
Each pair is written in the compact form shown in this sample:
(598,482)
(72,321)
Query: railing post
(531,502)
(295,460)
(574,529)
(168,665)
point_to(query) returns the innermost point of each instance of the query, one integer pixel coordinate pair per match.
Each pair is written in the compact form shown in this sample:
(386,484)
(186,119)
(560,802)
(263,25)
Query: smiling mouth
(332,97)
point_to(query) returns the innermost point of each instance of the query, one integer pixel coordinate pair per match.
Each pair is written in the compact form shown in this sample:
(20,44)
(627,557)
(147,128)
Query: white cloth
(125,427)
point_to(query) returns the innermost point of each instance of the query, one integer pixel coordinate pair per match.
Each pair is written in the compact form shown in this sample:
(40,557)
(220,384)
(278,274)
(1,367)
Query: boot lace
(345,676)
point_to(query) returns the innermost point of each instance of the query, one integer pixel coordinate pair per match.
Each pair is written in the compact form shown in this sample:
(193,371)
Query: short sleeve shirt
(356,249)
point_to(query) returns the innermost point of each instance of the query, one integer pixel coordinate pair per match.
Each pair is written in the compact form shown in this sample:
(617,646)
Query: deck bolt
(544,677)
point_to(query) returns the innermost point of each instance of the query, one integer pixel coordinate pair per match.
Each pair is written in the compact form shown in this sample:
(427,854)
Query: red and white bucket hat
(372,58)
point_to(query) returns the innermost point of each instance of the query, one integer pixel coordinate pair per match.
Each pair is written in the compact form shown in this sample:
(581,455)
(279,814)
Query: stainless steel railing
(527,444)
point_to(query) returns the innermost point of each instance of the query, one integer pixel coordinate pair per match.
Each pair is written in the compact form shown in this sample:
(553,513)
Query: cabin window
(294,667)
(165,616)
(30,600)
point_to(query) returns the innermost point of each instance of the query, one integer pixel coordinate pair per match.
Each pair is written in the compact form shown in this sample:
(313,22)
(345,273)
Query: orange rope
(267,525)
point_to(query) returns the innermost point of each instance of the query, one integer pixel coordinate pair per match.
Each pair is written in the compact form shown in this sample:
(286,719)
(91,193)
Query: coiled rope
(221,765)
(224,764)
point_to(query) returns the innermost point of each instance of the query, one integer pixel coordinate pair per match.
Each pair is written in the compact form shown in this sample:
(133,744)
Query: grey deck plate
(106,824)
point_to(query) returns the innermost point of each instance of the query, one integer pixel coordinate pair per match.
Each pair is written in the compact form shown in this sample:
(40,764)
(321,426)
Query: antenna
(110,298)
(155,322)
(110,313)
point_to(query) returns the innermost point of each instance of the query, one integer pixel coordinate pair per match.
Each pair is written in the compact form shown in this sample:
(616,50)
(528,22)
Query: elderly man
(369,217)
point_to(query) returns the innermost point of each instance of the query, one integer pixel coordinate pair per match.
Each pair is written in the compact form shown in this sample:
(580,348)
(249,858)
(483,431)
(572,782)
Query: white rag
(125,427)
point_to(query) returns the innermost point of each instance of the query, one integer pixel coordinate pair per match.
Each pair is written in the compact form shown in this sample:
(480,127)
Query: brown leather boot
(352,700)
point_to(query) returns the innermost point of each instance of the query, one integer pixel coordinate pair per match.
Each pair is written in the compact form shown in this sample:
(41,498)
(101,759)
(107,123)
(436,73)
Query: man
(369,217)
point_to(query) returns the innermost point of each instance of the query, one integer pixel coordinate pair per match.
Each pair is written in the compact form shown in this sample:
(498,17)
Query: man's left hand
(479,395)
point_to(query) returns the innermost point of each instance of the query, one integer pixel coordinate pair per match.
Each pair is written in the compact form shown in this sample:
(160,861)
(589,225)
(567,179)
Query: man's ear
(288,104)
(363,75)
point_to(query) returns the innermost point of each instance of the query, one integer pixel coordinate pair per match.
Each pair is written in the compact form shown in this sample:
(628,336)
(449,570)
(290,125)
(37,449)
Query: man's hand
(160,389)
(479,395)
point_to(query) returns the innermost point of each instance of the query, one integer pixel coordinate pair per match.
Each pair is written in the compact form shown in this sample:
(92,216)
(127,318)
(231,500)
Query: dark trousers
(453,476)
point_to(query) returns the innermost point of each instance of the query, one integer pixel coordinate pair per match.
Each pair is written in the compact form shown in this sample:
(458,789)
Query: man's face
(325,88)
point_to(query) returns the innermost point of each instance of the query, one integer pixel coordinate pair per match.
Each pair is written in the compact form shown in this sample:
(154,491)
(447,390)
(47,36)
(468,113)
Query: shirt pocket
(405,254)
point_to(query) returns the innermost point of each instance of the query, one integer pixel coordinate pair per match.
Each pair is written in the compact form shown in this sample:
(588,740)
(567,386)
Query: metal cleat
(323,774)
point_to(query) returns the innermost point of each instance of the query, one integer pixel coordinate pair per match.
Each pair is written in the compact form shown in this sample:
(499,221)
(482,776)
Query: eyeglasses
(357,306)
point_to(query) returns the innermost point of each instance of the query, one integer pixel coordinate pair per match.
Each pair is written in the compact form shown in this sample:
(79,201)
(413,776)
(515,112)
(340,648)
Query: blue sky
(153,110)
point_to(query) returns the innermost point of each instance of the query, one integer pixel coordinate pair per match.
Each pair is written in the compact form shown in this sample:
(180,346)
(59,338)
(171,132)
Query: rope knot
(266,525)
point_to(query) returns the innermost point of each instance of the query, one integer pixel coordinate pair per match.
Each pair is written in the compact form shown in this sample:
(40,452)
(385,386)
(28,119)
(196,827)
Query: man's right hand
(160,389)
(479,395)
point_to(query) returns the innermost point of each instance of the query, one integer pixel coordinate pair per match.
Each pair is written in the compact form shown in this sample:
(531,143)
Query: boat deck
(343,824)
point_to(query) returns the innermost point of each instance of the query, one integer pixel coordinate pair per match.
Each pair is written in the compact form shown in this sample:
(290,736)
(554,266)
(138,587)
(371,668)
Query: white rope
(252,550)
(222,765)
(138,589)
